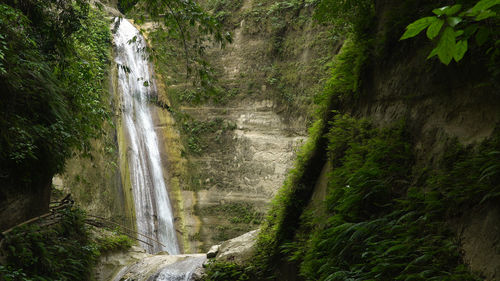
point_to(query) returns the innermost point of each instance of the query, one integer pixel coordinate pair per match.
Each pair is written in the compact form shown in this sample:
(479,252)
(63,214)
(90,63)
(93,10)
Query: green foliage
(200,134)
(62,251)
(353,16)
(112,243)
(179,15)
(469,176)
(222,9)
(224,5)
(376,225)
(276,225)
(236,212)
(342,86)
(223,271)
(30,99)
(126,5)
(367,166)
(55,61)
(170,56)
(452,27)
(191,29)
(382,219)
(85,73)
(3,49)
(345,74)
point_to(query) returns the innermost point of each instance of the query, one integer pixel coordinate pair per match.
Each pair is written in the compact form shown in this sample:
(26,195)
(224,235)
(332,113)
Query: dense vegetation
(456,26)
(54,59)
(385,216)
(379,222)
(58,250)
(186,30)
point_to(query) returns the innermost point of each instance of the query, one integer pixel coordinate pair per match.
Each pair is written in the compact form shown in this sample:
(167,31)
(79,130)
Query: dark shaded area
(126,5)
(49,96)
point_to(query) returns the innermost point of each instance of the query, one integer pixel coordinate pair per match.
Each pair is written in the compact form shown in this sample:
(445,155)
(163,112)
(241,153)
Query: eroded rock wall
(100,180)
(231,156)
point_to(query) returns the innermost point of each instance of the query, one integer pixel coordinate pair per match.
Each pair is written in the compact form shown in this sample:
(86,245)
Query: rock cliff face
(223,161)
(100,182)
(236,153)
(444,104)
(238,176)
(23,203)
(442,108)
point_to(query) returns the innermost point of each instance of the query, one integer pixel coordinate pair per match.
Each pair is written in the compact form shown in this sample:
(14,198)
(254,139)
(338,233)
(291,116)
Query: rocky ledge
(135,264)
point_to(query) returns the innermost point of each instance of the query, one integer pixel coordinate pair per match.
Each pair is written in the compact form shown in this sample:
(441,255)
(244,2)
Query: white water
(162,268)
(152,205)
(180,271)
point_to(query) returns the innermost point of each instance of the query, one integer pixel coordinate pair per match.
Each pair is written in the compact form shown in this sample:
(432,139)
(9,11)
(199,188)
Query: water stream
(163,268)
(136,84)
(179,271)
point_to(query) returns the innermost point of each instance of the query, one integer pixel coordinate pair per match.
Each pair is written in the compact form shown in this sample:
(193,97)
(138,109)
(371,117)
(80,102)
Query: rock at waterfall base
(214,250)
(239,249)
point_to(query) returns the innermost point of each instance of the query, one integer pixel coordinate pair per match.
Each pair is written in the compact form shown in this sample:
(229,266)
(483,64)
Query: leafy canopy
(452,27)
(53,62)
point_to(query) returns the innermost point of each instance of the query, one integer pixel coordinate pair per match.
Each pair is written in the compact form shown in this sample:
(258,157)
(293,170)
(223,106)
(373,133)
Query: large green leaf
(417,26)
(460,49)
(440,11)
(453,10)
(483,5)
(434,28)
(485,14)
(446,46)
(453,21)
(447,10)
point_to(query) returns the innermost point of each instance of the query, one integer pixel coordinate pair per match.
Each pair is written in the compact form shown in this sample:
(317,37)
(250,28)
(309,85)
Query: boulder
(214,250)
(239,249)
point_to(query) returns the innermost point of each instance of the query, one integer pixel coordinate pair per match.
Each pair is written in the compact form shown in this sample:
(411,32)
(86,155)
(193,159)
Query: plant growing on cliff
(55,56)
(223,271)
(375,225)
(352,16)
(113,242)
(452,27)
(191,27)
(61,251)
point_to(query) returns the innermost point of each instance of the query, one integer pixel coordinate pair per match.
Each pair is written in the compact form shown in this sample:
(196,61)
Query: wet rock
(198,274)
(110,264)
(161,267)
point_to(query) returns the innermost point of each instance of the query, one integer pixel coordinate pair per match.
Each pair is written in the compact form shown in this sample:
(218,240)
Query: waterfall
(136,84)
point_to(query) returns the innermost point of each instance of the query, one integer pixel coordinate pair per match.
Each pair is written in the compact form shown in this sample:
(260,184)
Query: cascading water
(163,268)
(152,205)
(179,271)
